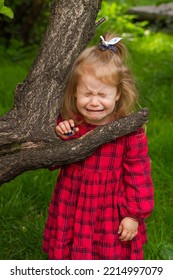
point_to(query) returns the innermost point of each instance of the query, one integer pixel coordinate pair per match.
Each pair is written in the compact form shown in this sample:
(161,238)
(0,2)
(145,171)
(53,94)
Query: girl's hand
(128,229)
(66,128)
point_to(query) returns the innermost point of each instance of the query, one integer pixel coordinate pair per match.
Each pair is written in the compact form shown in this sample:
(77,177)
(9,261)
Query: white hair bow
(111,42)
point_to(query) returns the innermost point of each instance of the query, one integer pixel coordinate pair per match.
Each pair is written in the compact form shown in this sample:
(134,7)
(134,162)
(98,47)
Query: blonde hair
(111,68)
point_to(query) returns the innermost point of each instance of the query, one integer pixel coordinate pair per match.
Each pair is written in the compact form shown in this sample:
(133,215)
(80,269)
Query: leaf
(1,4)
(7,11)
(166,254)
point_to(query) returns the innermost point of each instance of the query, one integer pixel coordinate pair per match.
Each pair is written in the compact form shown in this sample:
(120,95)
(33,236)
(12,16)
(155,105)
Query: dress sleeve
(137,197)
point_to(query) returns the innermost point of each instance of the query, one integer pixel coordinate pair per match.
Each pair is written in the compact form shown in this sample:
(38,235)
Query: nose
(94,101)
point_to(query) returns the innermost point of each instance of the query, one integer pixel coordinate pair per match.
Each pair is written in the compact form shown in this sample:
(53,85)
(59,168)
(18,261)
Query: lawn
(24,201)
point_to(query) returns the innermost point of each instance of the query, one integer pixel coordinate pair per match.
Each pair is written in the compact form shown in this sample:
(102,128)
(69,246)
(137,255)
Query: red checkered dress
(92,196)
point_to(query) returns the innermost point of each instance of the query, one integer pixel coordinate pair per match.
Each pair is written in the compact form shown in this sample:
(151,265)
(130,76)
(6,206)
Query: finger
(72,124)
(134,235)
(60,134)
(128,237)
(66,126)
(120,229)
(74,128)
(123,235)
(63,127)
(59,130)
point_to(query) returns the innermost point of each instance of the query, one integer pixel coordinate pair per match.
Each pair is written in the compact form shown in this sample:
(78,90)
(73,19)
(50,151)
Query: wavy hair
(111,67)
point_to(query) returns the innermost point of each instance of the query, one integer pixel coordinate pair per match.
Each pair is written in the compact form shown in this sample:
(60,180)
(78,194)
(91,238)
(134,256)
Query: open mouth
(95,111)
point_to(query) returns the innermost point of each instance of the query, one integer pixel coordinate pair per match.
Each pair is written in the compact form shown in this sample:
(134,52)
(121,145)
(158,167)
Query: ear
(117,96)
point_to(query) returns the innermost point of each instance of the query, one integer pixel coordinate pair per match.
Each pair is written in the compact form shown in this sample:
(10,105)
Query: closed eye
(87,94)
(102,95)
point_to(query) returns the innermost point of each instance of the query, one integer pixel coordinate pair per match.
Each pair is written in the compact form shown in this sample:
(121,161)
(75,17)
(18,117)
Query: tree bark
(27,137)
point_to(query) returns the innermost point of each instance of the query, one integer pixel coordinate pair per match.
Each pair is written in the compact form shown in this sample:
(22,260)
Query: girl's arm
(137,198)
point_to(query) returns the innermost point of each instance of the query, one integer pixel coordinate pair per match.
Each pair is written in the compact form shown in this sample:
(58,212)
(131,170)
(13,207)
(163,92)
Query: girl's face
(95,100)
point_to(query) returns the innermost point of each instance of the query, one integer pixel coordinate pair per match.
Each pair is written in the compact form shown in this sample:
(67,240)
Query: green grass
(23,210)
(24,201)
(152,56)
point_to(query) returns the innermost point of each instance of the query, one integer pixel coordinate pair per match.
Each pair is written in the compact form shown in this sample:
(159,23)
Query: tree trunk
(27,137)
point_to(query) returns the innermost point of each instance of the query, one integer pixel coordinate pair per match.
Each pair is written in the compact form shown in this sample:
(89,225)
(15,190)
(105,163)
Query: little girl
(100,203)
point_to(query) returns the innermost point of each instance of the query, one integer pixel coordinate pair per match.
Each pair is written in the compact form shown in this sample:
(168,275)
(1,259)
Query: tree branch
(30,156)
(100,21)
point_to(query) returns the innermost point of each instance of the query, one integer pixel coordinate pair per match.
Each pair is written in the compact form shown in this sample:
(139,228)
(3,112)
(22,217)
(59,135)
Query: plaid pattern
(92,196)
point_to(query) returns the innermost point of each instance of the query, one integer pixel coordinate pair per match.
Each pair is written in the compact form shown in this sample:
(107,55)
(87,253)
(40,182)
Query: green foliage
(5,10)
(118,20)
(15,62)
(115,11)
(163,2)
(142,2)
(29,23)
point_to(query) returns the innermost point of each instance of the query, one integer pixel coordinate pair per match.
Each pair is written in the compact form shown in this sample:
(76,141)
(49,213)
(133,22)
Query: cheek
(82,101)
(80,104)
(110,104)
